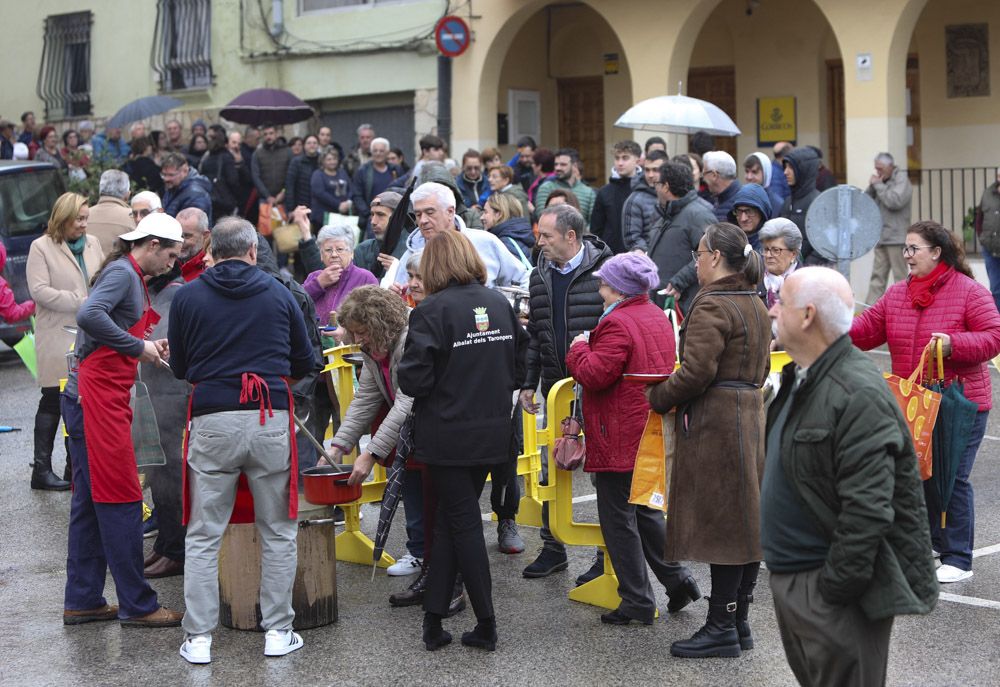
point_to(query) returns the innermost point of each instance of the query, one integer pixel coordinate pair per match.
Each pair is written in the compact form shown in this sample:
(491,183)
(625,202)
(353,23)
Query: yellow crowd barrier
(602,591)
(353,546)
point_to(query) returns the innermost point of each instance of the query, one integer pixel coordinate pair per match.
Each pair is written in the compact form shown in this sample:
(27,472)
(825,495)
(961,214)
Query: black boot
(414,594)
(434,635)
(484,636)
(743,602)
(457,604)
(42,477)
(683,594)
(717,637)
(596,570)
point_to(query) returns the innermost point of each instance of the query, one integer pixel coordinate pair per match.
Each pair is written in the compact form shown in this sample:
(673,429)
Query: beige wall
(956,132)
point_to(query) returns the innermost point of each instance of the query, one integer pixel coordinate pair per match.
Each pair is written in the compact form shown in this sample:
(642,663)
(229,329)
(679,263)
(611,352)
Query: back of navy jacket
(235,319)
(463,359)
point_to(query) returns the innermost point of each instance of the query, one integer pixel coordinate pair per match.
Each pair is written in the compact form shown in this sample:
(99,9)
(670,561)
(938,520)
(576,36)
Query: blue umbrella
(143,108)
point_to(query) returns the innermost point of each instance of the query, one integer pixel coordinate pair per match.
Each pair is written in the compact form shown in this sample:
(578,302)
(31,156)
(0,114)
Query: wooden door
(717,85)
(581,123)
(836,156)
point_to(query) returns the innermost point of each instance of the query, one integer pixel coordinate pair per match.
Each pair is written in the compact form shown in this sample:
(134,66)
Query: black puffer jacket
(298,189)
(606,218)
(805,163)
(584,306)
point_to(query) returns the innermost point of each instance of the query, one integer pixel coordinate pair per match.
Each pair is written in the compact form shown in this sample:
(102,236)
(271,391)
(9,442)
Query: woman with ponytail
(713,508)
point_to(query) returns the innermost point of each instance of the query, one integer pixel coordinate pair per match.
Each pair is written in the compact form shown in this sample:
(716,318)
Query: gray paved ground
(544,638)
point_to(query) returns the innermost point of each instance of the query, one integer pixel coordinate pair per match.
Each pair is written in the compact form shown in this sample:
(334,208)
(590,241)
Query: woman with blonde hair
(504,216)
(60,265)
(462,426)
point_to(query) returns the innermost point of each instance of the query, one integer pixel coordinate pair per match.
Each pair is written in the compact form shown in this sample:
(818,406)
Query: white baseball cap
(158,224)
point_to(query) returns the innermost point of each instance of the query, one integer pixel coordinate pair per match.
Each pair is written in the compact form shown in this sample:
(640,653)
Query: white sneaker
(947,574)
(281,642)
(197,649)
(407,565)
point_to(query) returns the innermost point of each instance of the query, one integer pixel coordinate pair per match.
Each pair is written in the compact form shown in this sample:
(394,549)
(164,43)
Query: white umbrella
(678,114)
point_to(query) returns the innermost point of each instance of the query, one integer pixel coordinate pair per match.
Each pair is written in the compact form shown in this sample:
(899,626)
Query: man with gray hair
(843,522)
(719,175)
(371,179)
(241,422)
(361,151)
(111,216)
(891,189)
(194,229)
(434,210)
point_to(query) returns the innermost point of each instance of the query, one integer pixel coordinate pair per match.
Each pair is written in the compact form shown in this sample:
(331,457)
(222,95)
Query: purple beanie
(629,274)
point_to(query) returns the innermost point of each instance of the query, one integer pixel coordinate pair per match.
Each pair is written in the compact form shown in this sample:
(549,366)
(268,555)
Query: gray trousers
(828,645)
(221,446)
(886,258)
(634,536)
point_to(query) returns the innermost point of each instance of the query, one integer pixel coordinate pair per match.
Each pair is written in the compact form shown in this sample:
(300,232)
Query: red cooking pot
(326,485)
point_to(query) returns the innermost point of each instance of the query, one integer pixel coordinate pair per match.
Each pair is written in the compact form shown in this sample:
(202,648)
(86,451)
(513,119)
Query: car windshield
(26,199)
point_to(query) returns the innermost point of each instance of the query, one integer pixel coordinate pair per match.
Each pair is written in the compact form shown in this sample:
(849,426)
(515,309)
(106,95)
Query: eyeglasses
(776,251)
(139,214)
(911,250)
(744,211)
(338,251)
(696,253)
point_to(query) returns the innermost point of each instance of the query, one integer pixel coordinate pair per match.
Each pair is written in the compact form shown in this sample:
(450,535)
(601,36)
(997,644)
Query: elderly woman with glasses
(781,242)
(329,286)
(941,301)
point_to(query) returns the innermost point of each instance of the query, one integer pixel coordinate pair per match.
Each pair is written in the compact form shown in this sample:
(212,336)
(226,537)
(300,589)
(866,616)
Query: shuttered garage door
(393,123)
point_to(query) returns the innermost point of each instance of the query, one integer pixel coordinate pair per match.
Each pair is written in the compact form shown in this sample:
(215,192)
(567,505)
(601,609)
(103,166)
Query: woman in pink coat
(633,335)
(940,300)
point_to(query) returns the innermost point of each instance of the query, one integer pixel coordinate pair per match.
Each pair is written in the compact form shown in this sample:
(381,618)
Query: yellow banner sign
(776,120)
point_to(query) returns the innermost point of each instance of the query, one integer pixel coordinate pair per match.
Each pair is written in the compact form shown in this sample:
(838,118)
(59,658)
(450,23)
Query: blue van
(28,190)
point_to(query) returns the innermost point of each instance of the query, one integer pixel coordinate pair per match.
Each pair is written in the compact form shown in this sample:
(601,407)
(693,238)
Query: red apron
(253,389)
(105,381)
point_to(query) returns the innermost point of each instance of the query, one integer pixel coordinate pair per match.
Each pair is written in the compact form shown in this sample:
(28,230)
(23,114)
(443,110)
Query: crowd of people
(821,484)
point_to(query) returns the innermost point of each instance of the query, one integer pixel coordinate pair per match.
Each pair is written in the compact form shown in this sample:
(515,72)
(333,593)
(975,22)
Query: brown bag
(286,238)
(569,450)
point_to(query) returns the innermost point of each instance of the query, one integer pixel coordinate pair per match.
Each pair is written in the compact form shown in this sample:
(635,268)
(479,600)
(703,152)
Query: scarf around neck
(76,247)
(920,289)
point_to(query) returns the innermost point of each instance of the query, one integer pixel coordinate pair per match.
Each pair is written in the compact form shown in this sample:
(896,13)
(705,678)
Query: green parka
(847,452)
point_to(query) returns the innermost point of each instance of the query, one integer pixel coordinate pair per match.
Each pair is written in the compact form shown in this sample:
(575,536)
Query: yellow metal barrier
(353,546)
(602,591)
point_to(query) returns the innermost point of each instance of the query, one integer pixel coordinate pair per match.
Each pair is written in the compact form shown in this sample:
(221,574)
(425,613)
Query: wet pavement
(545,639)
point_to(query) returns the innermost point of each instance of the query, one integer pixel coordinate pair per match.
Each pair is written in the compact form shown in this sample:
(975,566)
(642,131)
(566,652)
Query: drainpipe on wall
(277,18)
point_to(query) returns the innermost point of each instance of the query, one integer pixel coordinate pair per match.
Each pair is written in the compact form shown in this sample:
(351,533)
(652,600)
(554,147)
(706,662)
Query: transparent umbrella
(678,114)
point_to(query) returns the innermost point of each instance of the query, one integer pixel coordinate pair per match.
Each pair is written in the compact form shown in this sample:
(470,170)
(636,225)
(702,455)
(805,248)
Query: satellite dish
(842,224)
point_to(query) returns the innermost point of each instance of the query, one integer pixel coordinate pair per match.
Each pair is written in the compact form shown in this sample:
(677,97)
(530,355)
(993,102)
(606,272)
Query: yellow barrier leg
(353,546)
(601,591)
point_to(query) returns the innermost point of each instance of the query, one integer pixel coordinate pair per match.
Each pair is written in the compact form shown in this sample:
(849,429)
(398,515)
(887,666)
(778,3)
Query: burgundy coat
(962,308)
(634,337)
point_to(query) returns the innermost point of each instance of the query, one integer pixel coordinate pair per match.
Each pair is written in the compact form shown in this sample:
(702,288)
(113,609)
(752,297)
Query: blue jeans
(993,272)
(102,536)
(413,509)
(955,540)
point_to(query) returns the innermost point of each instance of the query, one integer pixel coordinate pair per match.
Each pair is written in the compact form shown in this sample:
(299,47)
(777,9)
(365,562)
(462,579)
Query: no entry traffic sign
(452,36)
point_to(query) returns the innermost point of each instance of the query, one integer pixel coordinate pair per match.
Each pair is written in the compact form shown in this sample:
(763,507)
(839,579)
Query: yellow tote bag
(653,462)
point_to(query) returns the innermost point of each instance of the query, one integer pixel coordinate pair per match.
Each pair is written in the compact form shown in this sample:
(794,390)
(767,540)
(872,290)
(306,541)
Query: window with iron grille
(182,46)
(64,74)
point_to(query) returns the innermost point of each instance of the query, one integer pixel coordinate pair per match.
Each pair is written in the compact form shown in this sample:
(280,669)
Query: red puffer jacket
(962,308)
(634,337)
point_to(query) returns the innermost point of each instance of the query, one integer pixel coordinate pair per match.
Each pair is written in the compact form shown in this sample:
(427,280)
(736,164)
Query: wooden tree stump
(314,594)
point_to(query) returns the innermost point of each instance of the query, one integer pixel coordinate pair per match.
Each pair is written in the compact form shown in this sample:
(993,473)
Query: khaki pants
(828,645)
(221,446)
(886,257)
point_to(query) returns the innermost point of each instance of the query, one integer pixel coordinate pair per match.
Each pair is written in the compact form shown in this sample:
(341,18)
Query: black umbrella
(393,491)
(266,106)
(398,222)
(141,109)
(951,434)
